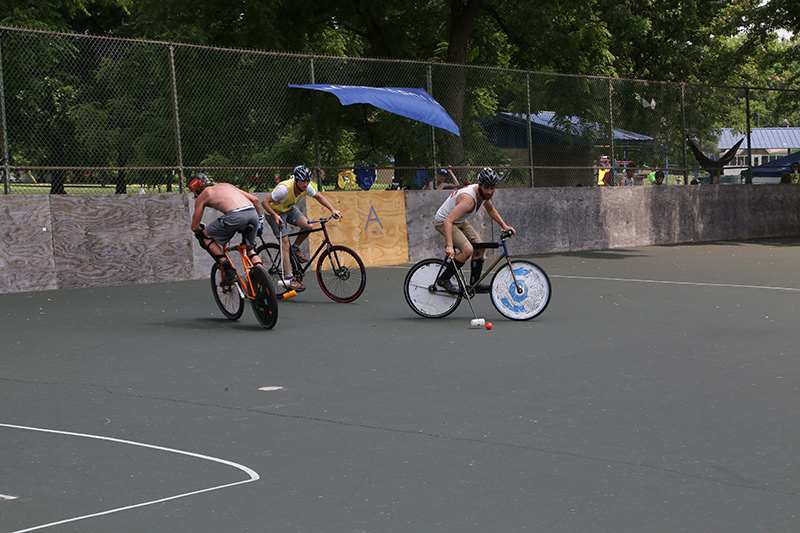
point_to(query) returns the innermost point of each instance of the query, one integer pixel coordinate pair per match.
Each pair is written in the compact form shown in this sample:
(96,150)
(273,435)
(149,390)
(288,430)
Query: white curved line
(695,283)
(253,475)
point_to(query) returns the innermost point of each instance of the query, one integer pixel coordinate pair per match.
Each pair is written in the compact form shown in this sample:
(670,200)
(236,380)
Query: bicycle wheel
(341,274)
(229,299)
(531,299)
(421,292)
(265,303)
(270,254)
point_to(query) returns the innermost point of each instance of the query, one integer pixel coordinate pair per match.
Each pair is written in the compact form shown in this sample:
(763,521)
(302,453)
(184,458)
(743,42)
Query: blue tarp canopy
(415,104)
(774,169)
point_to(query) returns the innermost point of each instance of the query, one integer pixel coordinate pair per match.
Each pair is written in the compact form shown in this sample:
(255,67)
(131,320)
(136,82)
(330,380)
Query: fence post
(528,124)
(314,120)
(176,118)
(683,135)
(3,123)
(611,127)
(749,178)
(429,82)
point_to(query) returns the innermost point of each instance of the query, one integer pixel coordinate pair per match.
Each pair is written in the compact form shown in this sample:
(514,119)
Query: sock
(476,266)
(450,270)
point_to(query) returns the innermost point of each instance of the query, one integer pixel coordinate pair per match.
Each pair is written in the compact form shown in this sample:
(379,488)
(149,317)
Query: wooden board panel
(373,224)
(115,240)
(26,244)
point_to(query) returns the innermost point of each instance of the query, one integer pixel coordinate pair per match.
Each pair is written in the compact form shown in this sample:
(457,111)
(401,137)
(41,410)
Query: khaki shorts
(462,233)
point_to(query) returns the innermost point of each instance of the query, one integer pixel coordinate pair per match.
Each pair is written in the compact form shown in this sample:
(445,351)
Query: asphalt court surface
(659,391)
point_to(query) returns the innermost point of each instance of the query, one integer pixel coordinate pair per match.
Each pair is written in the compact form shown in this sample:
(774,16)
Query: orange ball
(488,325)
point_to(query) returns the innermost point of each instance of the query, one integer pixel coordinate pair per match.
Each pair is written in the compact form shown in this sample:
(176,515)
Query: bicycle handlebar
(505,234)
(323,220)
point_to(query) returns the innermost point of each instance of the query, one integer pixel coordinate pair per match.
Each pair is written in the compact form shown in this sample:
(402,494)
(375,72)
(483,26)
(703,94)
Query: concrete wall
(58,242)
(583,218)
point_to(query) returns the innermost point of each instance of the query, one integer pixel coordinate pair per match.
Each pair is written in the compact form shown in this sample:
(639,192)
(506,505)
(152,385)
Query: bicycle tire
(535,290)
(420,297)
(270,254)
(265,301)
(341,274)
(229,299)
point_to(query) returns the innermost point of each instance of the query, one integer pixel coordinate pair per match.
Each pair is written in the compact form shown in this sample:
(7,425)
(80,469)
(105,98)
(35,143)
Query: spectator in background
(604,176)
(658,176)
(786,177)
(627,177)
(794,170)
(445,179)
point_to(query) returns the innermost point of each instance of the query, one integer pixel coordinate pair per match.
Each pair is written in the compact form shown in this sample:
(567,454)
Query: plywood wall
(56,242)
(373,224)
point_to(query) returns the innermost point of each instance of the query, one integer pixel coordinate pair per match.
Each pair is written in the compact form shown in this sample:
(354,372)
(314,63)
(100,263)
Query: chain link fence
(88,115)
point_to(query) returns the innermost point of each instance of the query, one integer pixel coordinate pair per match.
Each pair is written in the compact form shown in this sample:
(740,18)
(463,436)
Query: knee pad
(205,244)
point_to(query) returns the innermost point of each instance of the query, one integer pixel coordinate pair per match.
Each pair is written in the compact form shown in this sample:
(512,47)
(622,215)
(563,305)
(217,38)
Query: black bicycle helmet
(488,177)
(303,173)
(199,182)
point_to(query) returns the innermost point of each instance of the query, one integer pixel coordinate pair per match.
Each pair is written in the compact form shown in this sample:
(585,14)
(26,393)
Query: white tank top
(450,204)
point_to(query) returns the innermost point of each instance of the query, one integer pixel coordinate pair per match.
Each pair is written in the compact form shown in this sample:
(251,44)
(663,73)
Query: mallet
(475,322)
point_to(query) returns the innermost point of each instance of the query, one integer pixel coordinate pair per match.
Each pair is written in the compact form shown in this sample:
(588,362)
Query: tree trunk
(58,177)
(122,178)
(462,16)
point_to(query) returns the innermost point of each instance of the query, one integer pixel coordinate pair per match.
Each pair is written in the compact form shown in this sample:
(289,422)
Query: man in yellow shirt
(280,209)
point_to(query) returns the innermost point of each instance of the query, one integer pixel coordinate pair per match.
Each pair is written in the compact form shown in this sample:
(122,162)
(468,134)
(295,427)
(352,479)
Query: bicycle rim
(419,296)
(228,299)
(531,300)
(264,302)
(341,274)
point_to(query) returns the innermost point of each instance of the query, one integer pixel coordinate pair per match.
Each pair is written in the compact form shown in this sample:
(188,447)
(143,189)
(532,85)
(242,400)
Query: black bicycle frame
(486,271)
(326,243)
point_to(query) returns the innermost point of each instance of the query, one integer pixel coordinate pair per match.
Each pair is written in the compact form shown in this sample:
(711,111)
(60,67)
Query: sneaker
(447,285)
(229,276)
(294,285)
(482,288)
(298,253)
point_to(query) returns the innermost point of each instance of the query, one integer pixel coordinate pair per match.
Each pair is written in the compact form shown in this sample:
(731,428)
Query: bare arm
(199,207)
(495,215)
(254,200)
(324,201)
(268,210)
(464,204)
(452,177)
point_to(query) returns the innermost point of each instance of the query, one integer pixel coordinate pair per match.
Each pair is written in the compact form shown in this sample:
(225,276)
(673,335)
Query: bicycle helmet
(488,177)
(302,173)
(199,182)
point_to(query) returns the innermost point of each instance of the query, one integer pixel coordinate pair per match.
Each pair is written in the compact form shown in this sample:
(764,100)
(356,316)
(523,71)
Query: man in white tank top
(450,221)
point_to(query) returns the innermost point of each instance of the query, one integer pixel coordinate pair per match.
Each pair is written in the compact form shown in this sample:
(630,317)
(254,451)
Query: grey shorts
(289,217)
(225,227)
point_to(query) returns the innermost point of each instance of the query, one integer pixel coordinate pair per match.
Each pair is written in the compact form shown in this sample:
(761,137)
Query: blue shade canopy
(415,104)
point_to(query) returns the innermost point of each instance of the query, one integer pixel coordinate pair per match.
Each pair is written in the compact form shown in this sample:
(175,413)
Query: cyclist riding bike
(281,208)
(240,208)
(450,221)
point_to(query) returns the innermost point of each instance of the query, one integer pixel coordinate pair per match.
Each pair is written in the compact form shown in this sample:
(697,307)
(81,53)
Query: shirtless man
(450,221)
(240,208)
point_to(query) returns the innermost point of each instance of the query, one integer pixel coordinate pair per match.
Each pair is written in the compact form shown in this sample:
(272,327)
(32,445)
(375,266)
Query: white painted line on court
(7,497)
(726,285)
(253,475)
(270,388)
